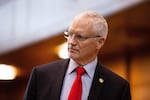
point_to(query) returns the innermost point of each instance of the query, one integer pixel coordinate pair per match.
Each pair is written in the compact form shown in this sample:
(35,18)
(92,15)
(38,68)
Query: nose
(72,40)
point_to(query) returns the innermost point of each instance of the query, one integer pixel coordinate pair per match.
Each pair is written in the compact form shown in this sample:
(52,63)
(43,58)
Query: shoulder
(115,85)
(112,77)
(52,66)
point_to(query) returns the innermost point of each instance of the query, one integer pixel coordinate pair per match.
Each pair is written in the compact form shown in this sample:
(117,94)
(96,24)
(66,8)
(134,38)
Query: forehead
(82,24)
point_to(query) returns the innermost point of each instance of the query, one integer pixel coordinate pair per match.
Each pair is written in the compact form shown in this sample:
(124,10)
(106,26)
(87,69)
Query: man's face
(82,50)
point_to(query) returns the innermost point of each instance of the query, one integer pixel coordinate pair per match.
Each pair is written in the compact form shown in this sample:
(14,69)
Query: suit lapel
(57,86)
(97,84)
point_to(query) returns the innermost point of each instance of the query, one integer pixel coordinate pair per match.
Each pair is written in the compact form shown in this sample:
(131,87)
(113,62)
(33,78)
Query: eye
(81,38)
(70,34)
(67,35)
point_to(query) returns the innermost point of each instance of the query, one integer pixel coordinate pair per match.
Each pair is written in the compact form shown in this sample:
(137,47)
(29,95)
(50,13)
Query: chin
(73,56)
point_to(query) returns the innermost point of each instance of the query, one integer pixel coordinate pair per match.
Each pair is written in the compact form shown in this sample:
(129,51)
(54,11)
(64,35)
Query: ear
(100,43)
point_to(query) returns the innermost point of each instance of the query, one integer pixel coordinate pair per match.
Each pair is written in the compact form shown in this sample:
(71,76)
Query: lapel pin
(101,80)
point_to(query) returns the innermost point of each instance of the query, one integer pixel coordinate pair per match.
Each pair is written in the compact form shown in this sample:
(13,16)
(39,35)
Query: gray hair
(100,25)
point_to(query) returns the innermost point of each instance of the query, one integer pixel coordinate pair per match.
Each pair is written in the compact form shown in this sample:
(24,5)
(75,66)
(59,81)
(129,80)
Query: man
(61,80)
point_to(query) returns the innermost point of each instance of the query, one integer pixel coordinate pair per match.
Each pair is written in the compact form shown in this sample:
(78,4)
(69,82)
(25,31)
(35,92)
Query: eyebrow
(77,33)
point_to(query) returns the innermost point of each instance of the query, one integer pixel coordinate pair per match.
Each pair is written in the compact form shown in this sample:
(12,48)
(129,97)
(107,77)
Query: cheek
(88,48)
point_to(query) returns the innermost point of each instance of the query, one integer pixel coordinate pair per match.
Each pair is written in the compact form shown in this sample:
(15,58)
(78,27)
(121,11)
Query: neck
(83,62)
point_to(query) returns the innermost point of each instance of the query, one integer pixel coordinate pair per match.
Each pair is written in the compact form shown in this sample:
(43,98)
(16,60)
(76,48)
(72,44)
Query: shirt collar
(90,67)
(72,66)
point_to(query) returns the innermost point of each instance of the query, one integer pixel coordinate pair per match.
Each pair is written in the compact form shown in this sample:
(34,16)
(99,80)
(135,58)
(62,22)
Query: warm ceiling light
(7,72)
(63,51)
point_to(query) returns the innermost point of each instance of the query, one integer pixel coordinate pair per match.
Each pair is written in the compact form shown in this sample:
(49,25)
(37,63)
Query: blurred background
(31,33)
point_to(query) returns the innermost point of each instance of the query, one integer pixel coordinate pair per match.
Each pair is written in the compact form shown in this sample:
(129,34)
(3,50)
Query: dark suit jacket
(46,83)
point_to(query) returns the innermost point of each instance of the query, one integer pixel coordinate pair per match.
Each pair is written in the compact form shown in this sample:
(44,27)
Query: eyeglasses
(78,37)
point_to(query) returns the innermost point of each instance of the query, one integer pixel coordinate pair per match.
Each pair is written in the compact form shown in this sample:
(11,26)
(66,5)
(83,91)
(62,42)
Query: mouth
(72,50)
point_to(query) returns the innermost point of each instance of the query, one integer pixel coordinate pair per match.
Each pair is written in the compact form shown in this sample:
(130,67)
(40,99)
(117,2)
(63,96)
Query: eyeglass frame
(78,37)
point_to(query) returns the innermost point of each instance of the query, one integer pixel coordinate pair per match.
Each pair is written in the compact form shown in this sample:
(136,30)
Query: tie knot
(80,71)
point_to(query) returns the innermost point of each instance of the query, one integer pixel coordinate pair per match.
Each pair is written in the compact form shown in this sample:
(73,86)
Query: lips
(72,50)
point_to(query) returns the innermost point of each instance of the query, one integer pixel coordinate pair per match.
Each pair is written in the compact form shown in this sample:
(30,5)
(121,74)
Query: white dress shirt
(86,79)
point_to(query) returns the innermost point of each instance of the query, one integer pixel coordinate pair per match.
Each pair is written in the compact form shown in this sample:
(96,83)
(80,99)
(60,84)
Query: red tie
(76,90)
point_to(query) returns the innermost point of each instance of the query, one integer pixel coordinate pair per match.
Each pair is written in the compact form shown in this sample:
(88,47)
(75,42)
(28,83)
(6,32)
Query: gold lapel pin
(101,80)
